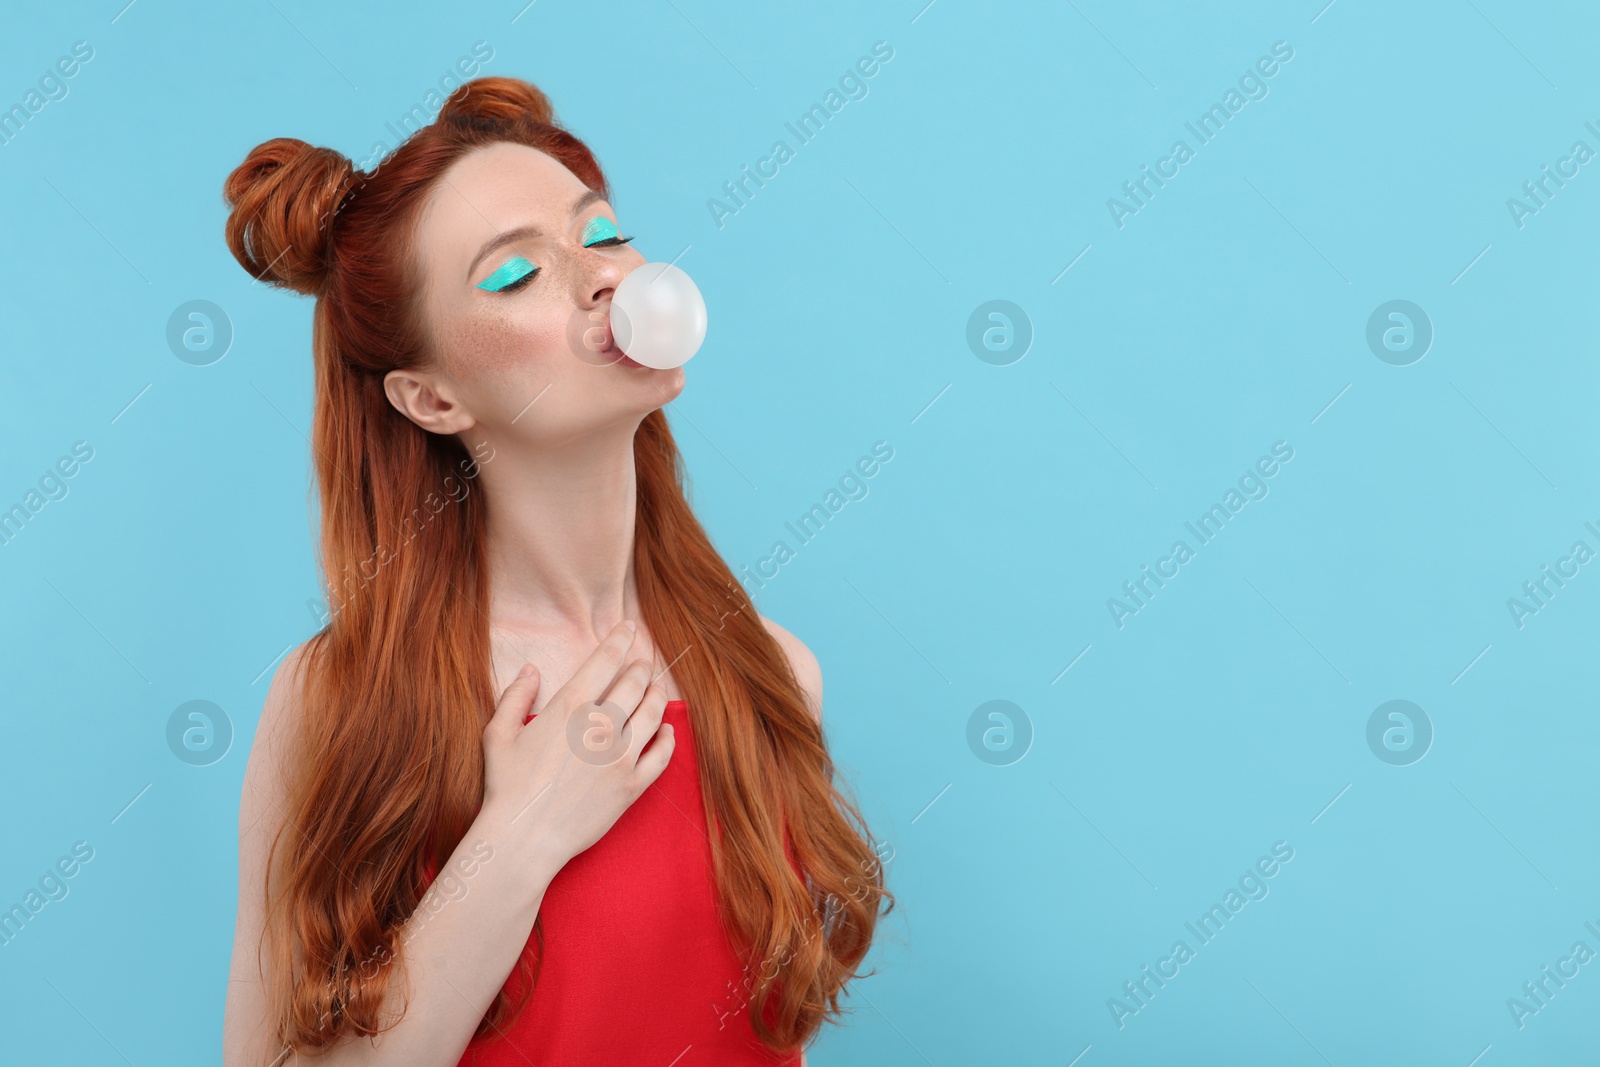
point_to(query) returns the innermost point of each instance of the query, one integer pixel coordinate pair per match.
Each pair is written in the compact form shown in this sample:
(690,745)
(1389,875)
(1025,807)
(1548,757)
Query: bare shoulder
(807,671)
(280,715)
(262,800)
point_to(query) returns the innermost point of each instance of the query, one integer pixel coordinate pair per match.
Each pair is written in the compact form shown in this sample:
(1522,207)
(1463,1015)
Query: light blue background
(1223,317)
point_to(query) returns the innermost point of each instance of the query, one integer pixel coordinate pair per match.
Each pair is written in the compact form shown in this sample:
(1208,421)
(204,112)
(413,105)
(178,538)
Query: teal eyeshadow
(515,269)
(599,229)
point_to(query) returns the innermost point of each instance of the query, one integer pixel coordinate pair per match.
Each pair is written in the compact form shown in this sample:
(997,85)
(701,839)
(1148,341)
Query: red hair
(399,683)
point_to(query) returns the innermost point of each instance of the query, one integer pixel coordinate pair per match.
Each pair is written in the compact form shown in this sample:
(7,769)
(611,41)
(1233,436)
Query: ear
(421,397)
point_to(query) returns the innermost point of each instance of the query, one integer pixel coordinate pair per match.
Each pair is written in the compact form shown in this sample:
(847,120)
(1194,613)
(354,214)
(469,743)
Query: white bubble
(658,317)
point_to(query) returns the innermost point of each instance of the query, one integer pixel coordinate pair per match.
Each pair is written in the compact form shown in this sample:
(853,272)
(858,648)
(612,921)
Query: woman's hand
(553,786)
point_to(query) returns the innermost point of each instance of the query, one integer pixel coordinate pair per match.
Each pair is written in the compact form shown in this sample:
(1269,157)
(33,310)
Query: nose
(597,277)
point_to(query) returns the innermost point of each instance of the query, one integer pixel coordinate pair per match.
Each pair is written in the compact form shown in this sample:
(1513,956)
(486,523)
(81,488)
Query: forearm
(456,951)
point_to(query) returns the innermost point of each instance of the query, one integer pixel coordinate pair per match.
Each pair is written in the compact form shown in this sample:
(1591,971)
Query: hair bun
(282,199)
(497,101)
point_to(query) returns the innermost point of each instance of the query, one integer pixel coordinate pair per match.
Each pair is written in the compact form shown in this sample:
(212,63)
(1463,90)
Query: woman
(646,858)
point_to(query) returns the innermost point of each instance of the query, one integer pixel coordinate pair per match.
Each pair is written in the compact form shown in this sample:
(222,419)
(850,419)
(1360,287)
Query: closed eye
(602,233)
(516,273)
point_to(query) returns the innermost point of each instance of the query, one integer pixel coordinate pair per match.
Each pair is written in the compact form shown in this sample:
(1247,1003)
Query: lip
(610,348)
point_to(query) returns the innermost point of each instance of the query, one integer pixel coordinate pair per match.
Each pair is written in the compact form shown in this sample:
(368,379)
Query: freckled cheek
(503,347)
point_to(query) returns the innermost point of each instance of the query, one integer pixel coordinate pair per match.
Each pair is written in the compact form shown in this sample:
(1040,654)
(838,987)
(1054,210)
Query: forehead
(490,190)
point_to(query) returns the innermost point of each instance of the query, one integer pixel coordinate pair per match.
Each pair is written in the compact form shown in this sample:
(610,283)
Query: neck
(560,534)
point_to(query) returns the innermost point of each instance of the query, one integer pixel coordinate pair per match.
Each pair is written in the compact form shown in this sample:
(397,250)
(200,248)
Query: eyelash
(520,282)
(609,242)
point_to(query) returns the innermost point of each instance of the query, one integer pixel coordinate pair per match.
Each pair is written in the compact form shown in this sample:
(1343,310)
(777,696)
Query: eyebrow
(508,236)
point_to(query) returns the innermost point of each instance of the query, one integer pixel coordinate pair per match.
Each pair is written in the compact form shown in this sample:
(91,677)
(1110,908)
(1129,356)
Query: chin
(672,378)
(670,381)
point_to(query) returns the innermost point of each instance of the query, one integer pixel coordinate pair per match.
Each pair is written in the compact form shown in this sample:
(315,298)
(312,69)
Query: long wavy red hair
(399,683)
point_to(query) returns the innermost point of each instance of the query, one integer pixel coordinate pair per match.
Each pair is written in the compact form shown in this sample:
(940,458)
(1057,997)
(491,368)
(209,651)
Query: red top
(638,968)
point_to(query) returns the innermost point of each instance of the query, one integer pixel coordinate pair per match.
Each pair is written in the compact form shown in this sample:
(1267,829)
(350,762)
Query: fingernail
(527,669)
(631,627)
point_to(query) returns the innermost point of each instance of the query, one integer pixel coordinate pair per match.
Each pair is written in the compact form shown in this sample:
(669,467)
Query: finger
(596,673)
(629,687)
(516,703)
(645,722)
(654,760)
